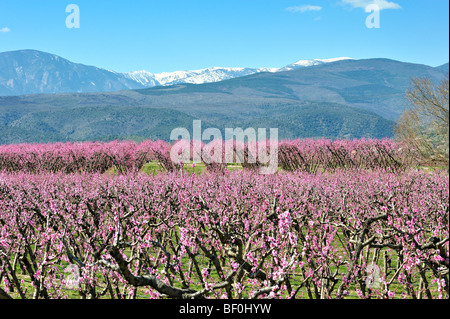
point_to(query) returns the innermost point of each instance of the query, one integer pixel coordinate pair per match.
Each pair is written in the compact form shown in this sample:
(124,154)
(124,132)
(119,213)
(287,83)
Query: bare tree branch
(425,126)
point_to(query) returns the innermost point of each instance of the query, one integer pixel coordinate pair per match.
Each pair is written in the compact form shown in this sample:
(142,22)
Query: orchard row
(350,234)
(305,155)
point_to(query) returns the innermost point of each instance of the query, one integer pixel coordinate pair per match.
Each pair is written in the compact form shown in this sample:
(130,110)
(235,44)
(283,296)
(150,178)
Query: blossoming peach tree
(371,233)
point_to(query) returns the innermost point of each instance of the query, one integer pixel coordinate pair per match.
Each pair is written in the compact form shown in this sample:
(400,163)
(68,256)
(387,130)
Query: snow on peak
(213,74)
(208,75)
(308,63)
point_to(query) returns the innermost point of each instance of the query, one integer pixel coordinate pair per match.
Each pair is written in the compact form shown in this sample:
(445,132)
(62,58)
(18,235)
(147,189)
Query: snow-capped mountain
(30,72)
(213,74)
(308,63)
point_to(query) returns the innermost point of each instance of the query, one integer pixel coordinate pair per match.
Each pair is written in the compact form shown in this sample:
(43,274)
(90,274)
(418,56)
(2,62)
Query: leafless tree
(425,125)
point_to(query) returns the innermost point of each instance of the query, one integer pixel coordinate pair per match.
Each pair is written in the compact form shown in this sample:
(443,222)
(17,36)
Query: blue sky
(170,35)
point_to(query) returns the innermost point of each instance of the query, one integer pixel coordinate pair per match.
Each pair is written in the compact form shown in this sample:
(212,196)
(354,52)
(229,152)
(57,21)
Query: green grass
(155,168)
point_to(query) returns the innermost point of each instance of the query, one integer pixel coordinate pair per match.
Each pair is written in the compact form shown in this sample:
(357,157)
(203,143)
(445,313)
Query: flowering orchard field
(305,155)
(359,225)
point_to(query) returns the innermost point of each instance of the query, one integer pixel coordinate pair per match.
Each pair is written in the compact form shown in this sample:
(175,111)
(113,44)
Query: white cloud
(5,30)
(381,4)
(304,8)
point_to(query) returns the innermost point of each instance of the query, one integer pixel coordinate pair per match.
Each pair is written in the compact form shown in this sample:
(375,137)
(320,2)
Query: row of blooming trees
(353,233)
(304,155)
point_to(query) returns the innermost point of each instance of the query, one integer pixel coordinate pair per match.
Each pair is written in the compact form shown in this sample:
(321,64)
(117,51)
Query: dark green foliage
(91,123)
(327,120)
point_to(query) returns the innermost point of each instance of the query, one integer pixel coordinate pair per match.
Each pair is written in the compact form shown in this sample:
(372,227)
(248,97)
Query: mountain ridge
(343,99)
(33,72)
(29,71)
